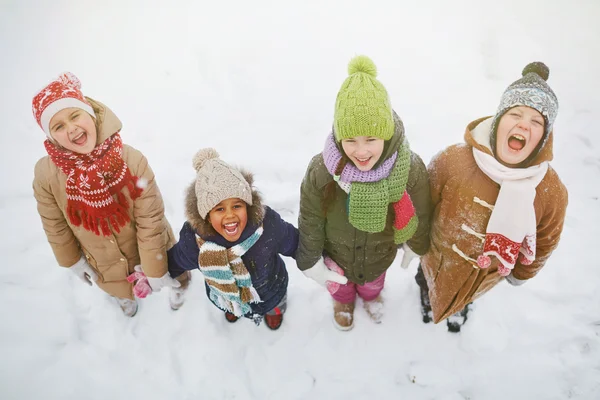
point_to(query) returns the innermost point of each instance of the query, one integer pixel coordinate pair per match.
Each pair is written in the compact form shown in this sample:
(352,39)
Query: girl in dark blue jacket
(236,243)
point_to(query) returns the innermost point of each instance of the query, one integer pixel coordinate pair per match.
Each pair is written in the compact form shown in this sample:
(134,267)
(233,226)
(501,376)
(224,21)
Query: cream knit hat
(217,181)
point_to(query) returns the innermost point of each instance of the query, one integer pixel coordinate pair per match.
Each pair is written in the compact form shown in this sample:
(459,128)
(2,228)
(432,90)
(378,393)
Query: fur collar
(256,211)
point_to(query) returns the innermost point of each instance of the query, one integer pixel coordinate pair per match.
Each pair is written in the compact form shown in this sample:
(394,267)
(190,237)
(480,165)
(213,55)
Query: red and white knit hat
(64,92)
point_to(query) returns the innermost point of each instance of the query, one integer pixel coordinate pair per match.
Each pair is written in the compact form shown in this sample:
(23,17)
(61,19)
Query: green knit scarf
(369,202)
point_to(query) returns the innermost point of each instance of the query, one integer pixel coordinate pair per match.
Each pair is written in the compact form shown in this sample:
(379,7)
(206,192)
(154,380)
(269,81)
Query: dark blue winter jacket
(266,268)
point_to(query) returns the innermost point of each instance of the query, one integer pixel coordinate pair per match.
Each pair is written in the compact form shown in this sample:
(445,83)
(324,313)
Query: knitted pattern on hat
(369,200)
(93,182)
(362,107)
(217,181)
(226,275)
(531,91)
(63,92)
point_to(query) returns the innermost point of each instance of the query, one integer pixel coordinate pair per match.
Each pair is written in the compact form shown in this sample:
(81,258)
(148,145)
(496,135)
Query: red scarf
(92,182)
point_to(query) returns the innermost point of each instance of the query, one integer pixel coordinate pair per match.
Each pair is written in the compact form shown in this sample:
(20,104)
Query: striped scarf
(226,275)
(371,192)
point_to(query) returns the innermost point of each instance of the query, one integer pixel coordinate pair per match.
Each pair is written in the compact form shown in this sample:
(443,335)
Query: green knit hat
(362,107)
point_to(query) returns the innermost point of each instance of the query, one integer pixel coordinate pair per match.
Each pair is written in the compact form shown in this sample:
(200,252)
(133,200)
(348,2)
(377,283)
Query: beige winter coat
(456,181)
(145,240)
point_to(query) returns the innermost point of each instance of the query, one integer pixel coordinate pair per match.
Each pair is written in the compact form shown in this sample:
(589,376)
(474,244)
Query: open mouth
(363,162)
(80,139)
(516,142)
(231,229)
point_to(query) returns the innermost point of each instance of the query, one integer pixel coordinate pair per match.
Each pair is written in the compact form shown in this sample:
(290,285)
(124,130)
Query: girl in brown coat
(100,206)
(499,205)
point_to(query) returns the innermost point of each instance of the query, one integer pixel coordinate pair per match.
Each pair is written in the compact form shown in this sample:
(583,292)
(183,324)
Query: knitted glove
(321,274)
(158,283)
(408,256)
(332,265)
(141,288)
(84,271)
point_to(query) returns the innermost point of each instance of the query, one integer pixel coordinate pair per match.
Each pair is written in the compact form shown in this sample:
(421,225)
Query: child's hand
(321,274)
(158,283)
(408,256)
(333,287)
(141,288)
(84,271)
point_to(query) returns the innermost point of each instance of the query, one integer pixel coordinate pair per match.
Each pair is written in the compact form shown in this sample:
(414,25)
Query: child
(235,241)
(499,206)
(361,198)
(99,203)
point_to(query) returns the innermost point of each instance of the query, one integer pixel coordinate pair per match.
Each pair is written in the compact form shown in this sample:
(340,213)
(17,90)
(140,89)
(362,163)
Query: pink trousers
(369,291)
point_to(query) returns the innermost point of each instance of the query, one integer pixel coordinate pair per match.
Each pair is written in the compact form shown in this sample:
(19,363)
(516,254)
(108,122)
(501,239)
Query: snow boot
(230,317)
(129,307)
(177,295)
(274,320)
(343,315)
(426,312)
(374,309)
(457,320)
(177,298)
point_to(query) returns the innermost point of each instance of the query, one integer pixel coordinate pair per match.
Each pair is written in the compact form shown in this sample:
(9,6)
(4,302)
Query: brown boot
(343,315)
(374,309)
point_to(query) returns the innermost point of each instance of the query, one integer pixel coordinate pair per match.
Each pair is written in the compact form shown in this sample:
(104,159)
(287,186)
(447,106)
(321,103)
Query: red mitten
(333,287)
(503,271)
(141,288)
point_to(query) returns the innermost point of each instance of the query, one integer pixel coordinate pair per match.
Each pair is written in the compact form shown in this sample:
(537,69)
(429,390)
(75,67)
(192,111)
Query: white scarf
(512,227)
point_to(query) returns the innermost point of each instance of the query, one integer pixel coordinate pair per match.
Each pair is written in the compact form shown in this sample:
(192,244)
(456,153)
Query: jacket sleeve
(154,234)
(287,234)
(419,191)
(438,176)
(548,233)
(60,236)
(311,220)
(184,255)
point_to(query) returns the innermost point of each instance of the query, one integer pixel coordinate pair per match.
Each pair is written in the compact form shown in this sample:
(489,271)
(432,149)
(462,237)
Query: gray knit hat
(217,181)
(531,91)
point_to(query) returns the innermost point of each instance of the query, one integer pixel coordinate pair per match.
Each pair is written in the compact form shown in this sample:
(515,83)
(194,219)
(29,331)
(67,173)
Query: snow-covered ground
(257,80)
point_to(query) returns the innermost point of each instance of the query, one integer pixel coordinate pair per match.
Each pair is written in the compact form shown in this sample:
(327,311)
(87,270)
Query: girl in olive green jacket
(361,198)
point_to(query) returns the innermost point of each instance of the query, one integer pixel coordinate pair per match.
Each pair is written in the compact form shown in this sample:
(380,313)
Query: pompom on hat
(63,92)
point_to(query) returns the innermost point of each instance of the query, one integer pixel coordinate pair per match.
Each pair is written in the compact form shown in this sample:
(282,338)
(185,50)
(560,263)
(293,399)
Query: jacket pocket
(114,272)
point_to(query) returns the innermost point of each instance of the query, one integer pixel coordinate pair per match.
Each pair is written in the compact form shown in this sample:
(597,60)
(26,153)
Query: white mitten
(84,271)
(321,274)
(408,256)
(158,283)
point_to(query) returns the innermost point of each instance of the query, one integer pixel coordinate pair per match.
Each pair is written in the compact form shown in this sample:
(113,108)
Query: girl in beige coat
(98,200)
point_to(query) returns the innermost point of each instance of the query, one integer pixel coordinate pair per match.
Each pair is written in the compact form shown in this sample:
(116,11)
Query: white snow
(142,183)
(257,81)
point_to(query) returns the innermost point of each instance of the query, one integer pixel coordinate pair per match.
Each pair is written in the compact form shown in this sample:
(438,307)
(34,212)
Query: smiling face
(363,151)
(229,218)
(519,132)
(74,129)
